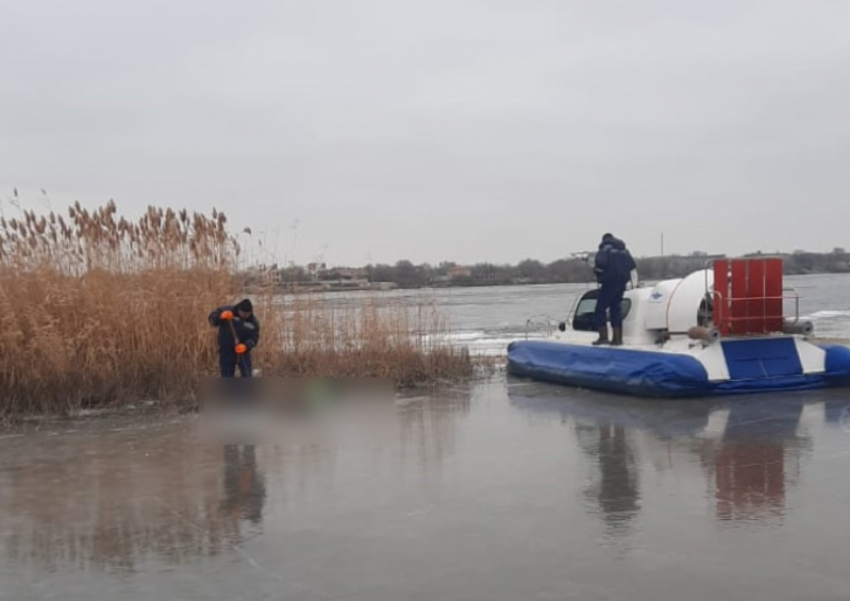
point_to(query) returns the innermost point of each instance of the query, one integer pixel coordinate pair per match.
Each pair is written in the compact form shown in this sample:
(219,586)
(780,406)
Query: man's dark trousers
(610,296)
(228,361)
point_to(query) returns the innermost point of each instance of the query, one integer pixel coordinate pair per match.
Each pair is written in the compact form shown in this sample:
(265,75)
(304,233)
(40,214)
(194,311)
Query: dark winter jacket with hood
(247,330)
(613,263)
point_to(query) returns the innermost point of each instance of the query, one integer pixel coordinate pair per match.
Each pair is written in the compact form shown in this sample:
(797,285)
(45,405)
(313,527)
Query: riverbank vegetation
(98,311)
(404,274)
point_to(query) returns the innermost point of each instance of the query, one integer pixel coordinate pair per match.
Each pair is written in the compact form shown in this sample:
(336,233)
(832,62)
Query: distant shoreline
(405,275)
(359,286)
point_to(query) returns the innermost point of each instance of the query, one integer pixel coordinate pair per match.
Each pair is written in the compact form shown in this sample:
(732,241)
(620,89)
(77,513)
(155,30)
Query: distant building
(459,272)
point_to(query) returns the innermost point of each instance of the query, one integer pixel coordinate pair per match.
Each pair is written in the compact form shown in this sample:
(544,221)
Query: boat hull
(749,366)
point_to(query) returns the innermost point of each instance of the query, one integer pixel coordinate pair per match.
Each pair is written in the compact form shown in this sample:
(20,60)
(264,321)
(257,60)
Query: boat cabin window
(583,318)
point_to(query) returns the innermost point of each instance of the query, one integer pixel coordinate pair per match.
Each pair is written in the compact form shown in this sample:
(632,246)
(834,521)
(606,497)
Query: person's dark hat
(245,305)
(608,236)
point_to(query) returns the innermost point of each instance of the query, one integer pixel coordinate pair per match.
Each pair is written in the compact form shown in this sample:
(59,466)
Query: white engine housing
(674,305)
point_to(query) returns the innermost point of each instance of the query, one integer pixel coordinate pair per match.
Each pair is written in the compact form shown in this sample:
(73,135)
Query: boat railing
(540,319)
(735,310)
(749,296)
(796,301)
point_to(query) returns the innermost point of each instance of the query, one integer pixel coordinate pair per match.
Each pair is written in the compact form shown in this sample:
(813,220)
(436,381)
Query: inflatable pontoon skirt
(764,365)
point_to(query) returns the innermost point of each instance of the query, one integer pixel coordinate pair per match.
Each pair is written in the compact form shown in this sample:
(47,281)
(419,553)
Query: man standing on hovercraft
(613,267)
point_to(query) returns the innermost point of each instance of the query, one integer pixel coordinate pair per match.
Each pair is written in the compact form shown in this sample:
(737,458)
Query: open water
(486,319)
(501,491)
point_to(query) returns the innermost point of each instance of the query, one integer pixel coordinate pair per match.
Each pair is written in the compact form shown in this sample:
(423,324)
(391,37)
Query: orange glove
(227,315)
(241,348)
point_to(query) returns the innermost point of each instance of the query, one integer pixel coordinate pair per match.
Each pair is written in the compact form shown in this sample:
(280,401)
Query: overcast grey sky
(443,129)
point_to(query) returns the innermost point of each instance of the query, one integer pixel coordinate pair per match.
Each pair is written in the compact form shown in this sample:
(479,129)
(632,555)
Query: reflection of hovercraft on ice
(748,450)
(667,420)
(753,419)
(721,330)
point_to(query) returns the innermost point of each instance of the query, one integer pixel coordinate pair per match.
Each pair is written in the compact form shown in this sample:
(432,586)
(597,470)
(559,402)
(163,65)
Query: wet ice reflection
(494,492)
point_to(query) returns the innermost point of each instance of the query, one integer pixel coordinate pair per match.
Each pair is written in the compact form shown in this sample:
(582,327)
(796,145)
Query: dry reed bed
(99,311)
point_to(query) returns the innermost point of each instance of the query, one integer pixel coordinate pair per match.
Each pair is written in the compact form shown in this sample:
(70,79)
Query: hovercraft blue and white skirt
(718,331)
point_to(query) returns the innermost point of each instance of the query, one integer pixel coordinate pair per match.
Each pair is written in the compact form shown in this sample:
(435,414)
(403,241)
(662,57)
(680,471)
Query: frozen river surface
(505,491)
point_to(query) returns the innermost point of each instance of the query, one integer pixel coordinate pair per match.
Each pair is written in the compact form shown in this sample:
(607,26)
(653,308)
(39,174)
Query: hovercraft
(718,331)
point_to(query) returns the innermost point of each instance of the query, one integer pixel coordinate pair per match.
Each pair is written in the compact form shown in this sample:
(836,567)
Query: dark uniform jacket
(247,330)
(613,263)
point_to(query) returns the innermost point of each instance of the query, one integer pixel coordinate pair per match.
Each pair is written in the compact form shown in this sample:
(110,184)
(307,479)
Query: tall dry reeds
(97,310)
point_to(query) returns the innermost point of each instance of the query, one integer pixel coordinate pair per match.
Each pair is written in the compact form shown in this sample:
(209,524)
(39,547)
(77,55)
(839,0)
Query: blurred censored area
(241,409)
